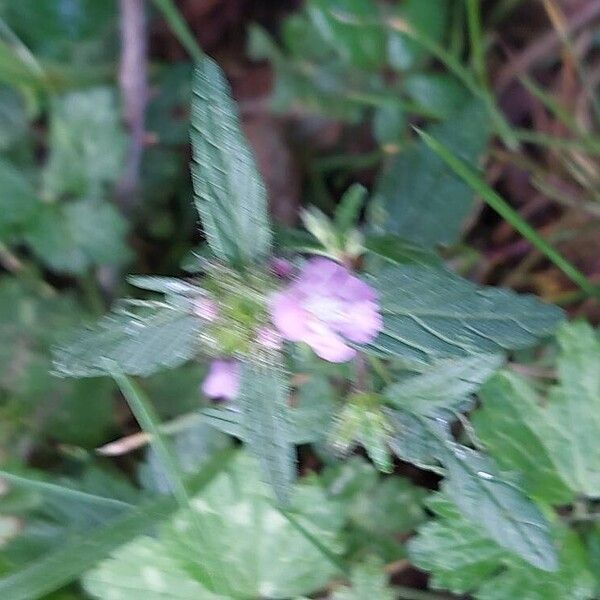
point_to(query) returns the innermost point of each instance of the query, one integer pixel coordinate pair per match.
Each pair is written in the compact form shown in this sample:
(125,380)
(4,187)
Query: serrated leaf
(457,552)
(482,493)
(266,422)
(348,210)
(514,429)
(261,553)
(474,483)
(447,384)
(138,344)
(573,410)
(229,193)
(463,559)
(418,197)
(432,313)
(87,144)
(363,422)
(71,237)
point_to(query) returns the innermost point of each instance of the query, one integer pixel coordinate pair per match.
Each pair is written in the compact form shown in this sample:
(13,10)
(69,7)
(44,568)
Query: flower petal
(362,322)
(327,344)
(223,380)
(288,316)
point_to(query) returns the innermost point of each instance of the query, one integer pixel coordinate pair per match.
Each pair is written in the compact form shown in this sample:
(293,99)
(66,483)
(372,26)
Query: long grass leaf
(66,564)
(465,172)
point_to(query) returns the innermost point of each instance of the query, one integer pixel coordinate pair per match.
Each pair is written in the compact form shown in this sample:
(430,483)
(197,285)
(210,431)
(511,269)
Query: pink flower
(223,379)
(326,307)
(268,337)
(206,309)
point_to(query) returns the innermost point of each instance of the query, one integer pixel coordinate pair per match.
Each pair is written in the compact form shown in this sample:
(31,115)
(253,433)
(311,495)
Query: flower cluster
(326,307)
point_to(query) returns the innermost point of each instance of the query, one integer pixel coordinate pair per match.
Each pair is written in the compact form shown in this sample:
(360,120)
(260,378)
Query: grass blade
(145,415)
(179,28)
(59,490)
(66,564)
(498,203)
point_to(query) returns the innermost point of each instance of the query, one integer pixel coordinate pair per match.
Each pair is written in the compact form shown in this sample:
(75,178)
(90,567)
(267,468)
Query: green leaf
(458,553)
(230,195)
(514,429)
(368,580)
(341,24)
(439,93)
(266,425)
(573,410)
(474,483)
(138,344)
(78,31)
(482,494)
(397,251)
(418,197)
(72,237)
(432,313)
(66,564)
(262,554)
(379,510)
(347,212)
(430,18)
(447,384)
(87,144)
(389,123)
(463,559)
(18,201)
(363,422)
(13,118)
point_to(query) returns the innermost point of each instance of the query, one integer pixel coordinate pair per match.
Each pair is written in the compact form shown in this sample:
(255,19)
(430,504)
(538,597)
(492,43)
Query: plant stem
(179,28)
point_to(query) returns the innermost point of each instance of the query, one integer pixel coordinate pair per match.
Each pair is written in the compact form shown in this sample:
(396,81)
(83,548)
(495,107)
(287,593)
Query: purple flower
(223,380)
(207,309)
(268,337)
(326,307)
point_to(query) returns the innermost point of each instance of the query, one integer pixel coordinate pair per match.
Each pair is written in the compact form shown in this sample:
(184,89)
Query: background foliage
(468,464)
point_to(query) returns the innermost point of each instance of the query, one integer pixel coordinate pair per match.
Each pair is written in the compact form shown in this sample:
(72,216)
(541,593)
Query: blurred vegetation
(330,92)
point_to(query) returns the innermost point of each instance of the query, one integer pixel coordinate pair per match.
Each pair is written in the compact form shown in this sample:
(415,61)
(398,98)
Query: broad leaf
(18,201)
(573,410)
(397,251)
(447,384)
(418,197)
(138,344)
(340,23)
(483,494)
(429,18)
(230,195)
(261,553)
(72,237)
(463,559)
(379,510)
(431,313)
(265,420)
(87,144)
(514,429)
